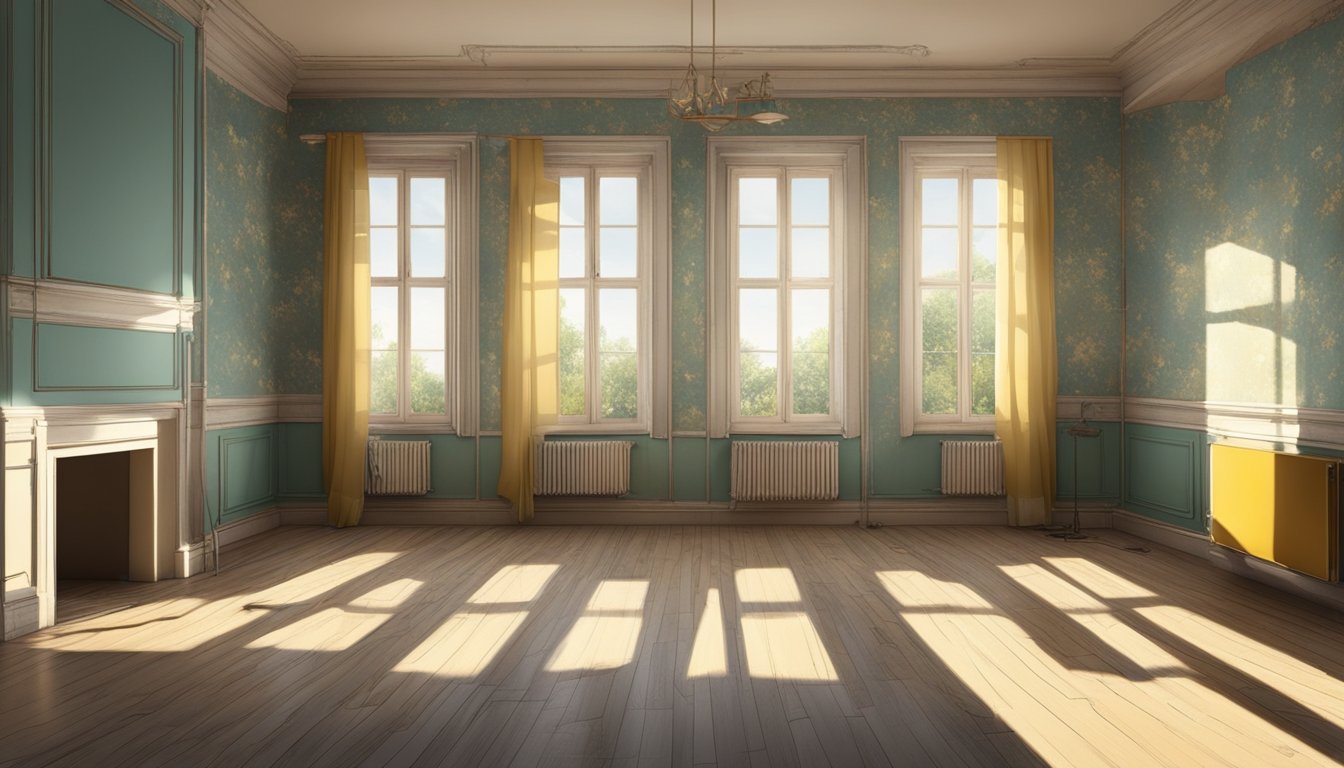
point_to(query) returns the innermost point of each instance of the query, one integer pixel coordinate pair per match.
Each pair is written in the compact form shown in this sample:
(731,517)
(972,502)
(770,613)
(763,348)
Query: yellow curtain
(1026,375)
(530,397)
(345,328)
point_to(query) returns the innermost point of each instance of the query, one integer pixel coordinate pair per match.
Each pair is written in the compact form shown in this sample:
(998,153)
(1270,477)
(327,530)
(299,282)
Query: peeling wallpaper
(1235,235)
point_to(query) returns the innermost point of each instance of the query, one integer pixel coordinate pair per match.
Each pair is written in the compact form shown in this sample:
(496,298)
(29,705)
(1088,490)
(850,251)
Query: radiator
(785,471)
(972,468)
(582,468)
(1277,506)
(397,468)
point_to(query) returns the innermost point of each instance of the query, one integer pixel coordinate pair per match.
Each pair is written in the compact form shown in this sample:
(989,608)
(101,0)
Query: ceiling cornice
(1185,54)
(191,10)
(240,49)
(362,78)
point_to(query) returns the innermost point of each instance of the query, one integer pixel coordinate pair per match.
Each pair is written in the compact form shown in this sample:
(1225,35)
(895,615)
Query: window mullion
(403,297)
(785,260)
(591,341)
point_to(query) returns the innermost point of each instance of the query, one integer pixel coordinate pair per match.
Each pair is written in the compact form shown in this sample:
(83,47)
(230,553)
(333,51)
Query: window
(613,282)
(788,258)
(950,233)
(421,264)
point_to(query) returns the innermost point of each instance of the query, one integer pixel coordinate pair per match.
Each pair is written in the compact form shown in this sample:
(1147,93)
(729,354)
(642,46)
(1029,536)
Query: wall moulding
(1319,428)
(60,302)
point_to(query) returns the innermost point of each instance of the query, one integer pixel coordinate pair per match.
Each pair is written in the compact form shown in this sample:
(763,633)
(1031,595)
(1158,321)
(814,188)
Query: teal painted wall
(242,474)
(1235,258)
(101,187)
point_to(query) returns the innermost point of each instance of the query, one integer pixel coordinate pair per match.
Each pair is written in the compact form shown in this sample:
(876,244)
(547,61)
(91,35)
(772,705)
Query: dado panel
(116,134)
(1164,474)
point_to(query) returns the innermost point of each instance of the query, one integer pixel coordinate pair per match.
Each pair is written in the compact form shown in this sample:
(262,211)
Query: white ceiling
(652,33)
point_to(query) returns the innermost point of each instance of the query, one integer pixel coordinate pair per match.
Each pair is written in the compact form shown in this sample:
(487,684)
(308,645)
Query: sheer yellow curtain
(345,328)
(1026,377)
(530,397)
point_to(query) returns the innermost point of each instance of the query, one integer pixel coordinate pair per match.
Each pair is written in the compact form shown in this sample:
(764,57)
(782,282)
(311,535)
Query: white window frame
(454,157)
(967,157)
(647,159)
(842,159)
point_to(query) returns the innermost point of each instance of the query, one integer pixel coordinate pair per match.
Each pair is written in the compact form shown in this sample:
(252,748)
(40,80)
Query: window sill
(411,428)
(955,428)
(827,428)
(580,430)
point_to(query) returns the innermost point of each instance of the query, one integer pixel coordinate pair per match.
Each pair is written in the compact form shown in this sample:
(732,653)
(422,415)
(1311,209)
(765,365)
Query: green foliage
(619,366)
(572,391)
(758,381)
(428,389)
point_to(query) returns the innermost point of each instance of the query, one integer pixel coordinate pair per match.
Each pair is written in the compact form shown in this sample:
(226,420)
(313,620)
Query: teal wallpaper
(253,299)
(1087,235)
(1235,234)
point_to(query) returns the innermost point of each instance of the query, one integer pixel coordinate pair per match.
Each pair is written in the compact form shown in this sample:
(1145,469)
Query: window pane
(939,350)
(984,254)
(383,252)
(618,319)
(573,252)
(383,382)
(427,252)
(938,201)
(427,319)
(383,318)
(382,201)
(939,320)
(810,201)
(428,392)
(618,200)
(571,201)
(573,326)
(982,322)
(982,385)
(758,252)
(758,320)
(756,201)
(985,202)
(618,251)
(982,352)
(811,252)
(811,349)
(940,383)
(758,377)
(938,253)
(427,195)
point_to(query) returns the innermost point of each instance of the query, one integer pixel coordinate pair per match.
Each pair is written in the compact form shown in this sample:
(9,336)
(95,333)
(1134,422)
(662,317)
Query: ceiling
(752,33)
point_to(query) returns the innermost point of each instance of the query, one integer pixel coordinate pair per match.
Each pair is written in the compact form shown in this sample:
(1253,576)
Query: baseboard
(1199,545)
(190,560)
(20,615)
(1179,539)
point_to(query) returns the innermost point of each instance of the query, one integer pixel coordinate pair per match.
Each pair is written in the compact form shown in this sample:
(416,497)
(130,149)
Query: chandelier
(707,102)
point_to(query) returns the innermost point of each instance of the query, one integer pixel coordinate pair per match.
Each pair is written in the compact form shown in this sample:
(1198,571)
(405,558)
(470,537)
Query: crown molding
(1185,54)
(412,78)
(191,10)
(246,54)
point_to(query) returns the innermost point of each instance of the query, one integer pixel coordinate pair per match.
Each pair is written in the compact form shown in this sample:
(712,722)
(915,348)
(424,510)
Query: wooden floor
(688,646)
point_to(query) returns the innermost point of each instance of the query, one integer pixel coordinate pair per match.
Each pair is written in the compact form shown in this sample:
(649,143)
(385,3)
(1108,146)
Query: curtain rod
(321,138)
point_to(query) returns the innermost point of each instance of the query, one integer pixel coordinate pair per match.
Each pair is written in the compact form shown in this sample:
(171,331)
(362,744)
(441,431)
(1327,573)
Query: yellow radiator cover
(1277,506)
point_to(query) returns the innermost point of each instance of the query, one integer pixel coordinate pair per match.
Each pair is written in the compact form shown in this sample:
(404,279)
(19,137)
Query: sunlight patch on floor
(607,634)
(465,644)
(1098,580)
(332,629)
(709,652)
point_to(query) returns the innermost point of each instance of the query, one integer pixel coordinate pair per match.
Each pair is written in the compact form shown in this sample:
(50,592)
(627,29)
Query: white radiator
(397,468)
(582,468)
(785,471)
(972,468)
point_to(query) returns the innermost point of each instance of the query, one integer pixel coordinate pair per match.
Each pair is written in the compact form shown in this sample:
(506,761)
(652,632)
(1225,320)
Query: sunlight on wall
(465,644)
(780,644)
(1248,360)
(606,635)
(709,652)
